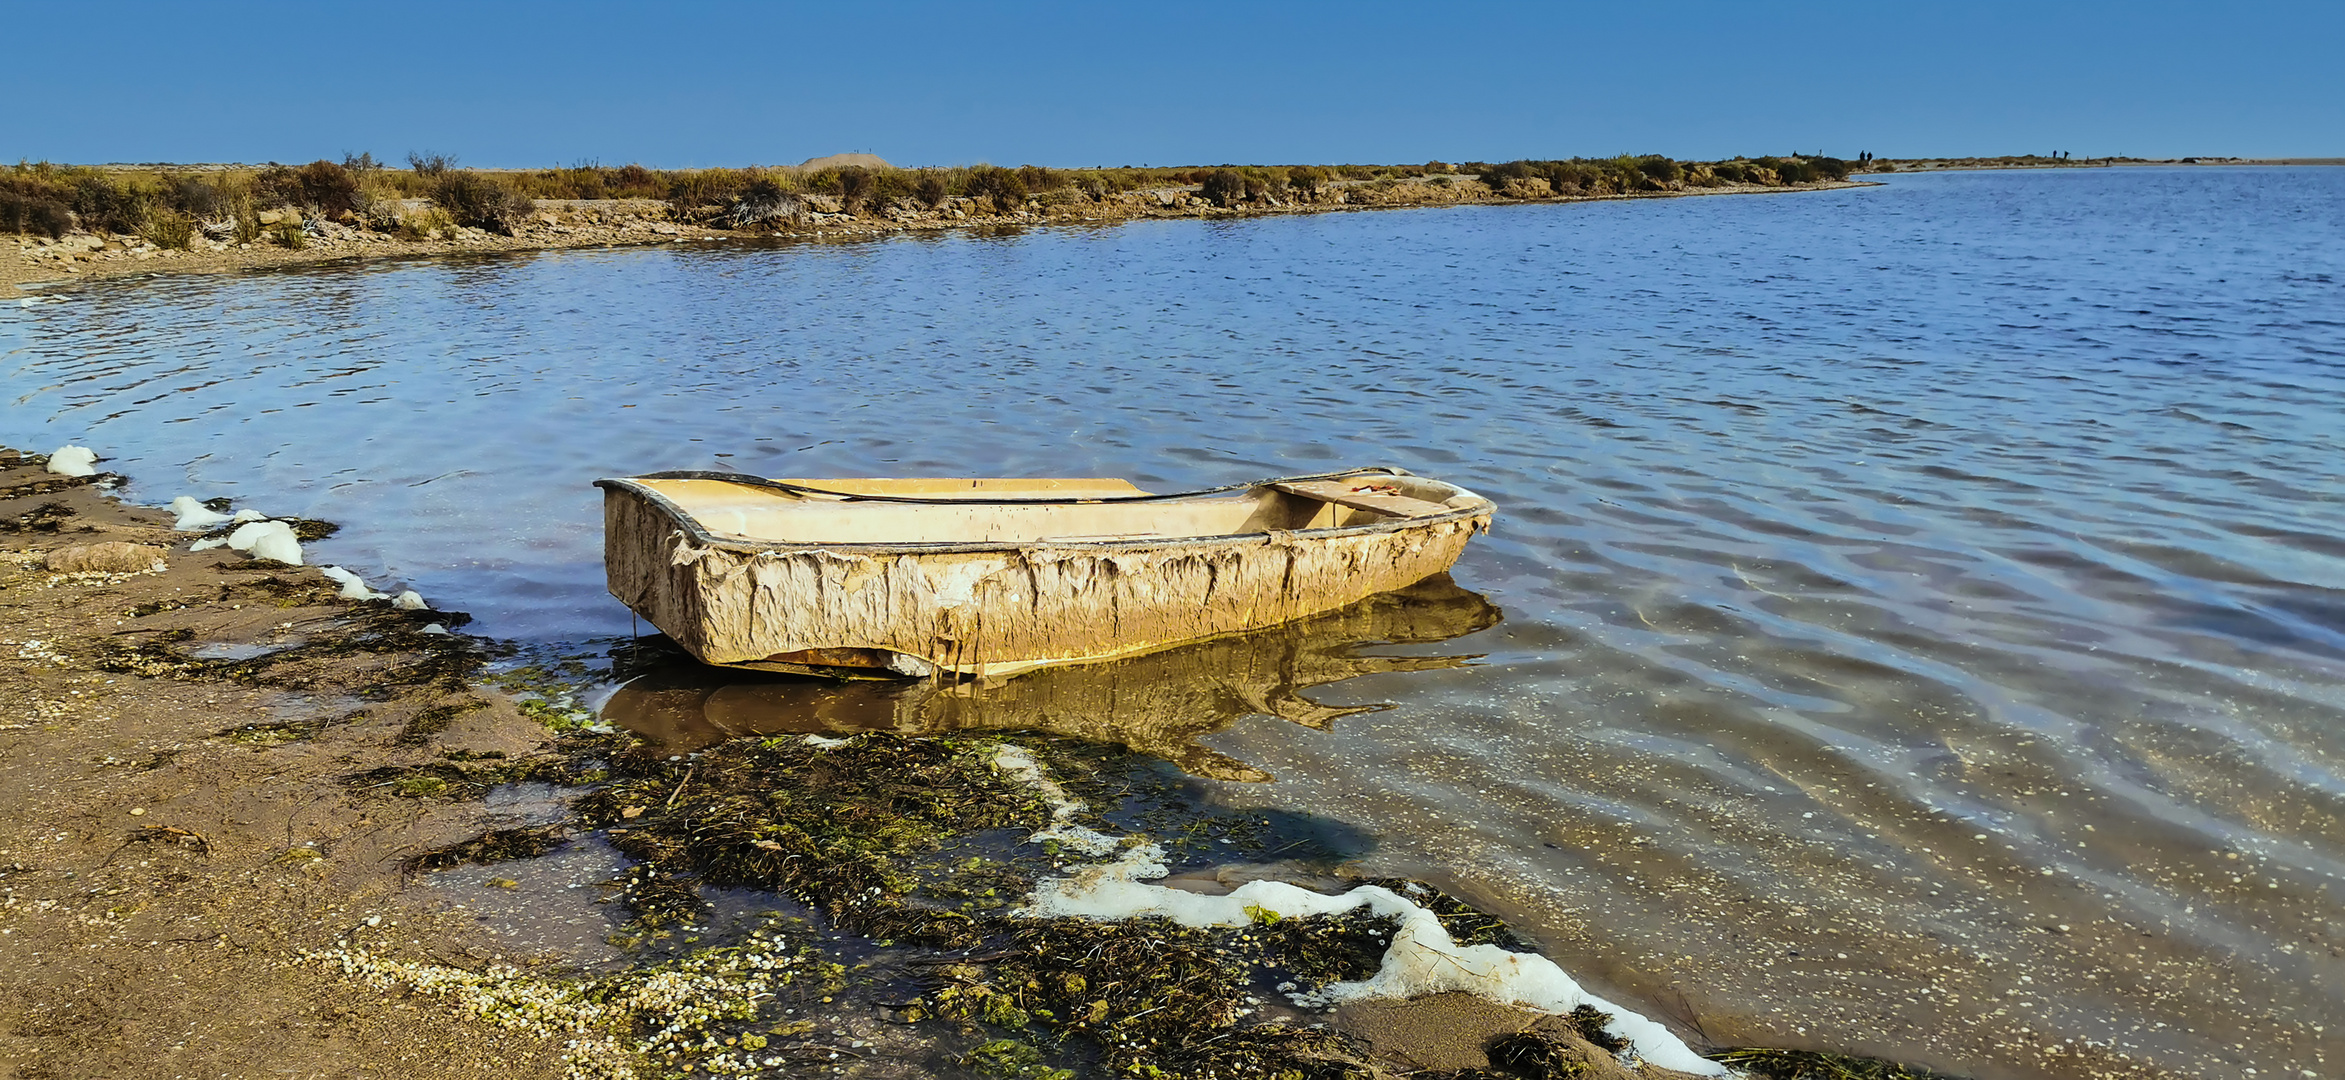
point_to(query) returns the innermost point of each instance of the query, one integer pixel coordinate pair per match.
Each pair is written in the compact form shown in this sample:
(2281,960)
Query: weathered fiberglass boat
(991,577)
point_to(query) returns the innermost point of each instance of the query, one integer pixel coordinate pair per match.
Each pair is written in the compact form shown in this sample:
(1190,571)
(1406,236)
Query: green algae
(548,692)
(837,827)
(1012,1060)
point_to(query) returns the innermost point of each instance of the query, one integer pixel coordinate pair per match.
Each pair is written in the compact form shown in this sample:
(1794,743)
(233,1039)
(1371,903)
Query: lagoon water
(1924,605)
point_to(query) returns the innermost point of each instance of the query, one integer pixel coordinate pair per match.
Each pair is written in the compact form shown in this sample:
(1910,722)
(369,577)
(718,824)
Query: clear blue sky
(1169,82)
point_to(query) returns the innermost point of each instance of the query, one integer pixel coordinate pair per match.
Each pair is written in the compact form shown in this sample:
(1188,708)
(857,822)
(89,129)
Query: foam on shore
(194,516)
(1422,958)
(72,460)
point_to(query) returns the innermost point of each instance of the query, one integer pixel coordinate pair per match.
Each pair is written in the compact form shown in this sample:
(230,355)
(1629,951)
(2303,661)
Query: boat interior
(770,514)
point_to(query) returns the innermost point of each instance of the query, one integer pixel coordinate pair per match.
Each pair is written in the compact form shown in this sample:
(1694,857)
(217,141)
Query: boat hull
(994,610)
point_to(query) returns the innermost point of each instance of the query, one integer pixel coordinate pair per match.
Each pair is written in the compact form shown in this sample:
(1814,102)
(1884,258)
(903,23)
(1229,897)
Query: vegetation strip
(81,219)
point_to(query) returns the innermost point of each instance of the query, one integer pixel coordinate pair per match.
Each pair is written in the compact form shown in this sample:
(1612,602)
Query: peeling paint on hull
(998,609)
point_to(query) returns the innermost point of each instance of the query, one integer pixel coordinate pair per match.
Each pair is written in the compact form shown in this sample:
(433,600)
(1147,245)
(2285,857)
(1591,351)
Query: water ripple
(1925,605)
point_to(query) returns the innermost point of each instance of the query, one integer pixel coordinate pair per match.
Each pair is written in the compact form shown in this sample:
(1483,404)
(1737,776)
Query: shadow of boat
(1158,704)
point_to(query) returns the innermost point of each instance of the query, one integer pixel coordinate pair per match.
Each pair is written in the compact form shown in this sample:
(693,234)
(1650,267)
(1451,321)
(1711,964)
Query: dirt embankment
(173,830)
(610,222)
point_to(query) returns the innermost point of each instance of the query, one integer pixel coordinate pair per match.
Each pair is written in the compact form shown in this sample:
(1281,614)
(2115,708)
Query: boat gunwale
(692,526)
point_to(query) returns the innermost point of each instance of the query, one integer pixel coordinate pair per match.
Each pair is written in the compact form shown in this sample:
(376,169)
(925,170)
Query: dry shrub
(1000,186)
(1224,187)
(167,228)
(30,215)
(482,203)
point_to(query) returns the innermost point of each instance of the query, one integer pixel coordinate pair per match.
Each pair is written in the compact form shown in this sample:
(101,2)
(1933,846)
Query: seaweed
(655,896)
(309,529)
(1591,1023)
(45,518)
(437,780)
(496,845)
(1818,1065)
(438,718)
(1147,985)
(1012,1060)
(1343,947)
(401,655)
(1467,924)
(830,826)
(1537,1055)
(51,485)
(1156,999)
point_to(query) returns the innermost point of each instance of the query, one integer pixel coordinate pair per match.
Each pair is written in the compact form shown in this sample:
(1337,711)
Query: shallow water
(1924,605)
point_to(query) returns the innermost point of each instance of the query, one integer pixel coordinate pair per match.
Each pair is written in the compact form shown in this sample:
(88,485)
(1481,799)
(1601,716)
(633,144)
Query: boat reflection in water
(1158,704)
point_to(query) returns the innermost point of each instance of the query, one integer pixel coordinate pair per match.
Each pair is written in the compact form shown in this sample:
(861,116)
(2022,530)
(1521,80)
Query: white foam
(249,515)
(432,628)
(207,545)
(408,601)
(353,586)
(1422,959)
(72,460)
(194,516)
(1063,807)
(272,540)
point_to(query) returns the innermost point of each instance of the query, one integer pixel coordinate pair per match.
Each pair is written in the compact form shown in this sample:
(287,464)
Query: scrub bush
(430,165)
(1224,187)
(167,228)
(480,202)
(763,201)
(1004,188)
(1305,180)
(930,188)
(34,214)
(105,206)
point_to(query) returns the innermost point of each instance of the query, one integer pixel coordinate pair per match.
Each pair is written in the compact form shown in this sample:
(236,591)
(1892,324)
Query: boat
(991,578)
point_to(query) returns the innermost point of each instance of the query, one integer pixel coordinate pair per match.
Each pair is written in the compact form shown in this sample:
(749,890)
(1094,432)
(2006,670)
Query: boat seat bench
(1341,494)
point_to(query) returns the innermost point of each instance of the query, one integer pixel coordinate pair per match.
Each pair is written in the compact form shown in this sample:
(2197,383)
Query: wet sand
(168,841)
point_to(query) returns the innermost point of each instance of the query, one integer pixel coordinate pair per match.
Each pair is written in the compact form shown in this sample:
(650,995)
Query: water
(1924,605)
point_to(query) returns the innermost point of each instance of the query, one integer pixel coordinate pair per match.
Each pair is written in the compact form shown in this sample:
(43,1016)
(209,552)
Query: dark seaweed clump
(497,845)
(374,651)
(1150,994)
(45,518)
(1818,1065)
(837,829)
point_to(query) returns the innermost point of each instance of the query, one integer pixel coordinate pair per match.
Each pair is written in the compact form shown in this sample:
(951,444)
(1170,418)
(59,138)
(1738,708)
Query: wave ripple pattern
(1925,604)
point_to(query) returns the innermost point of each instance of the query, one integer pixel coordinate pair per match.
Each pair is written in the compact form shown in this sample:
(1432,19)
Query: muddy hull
(913,610)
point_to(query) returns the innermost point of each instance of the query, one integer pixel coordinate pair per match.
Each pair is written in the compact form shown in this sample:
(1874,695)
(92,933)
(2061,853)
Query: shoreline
(1897,166)
(232,779)
(601,223)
